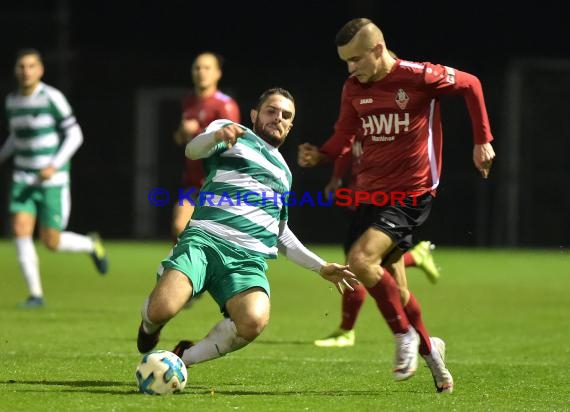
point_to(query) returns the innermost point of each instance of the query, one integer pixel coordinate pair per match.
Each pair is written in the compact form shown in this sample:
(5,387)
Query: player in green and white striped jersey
(240,221)
(44,135)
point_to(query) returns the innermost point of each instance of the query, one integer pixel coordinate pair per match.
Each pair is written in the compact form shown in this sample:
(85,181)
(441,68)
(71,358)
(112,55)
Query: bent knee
(51,241)
(161,313)
(251,327)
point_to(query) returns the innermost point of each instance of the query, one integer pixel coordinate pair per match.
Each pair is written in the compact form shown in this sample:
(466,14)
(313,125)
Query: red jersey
(205,110)
(395,125)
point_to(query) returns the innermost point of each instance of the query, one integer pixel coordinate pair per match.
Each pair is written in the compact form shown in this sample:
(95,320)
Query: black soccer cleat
(181,347)
(147,342)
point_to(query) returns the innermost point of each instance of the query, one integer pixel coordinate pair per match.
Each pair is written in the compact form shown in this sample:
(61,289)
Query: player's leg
(421,256)
(181,275)
(23,213)
(395,263)
(364,256)
(241,289)
(23,230)
(432,349)
(54,215)
(249,314)
(169,295)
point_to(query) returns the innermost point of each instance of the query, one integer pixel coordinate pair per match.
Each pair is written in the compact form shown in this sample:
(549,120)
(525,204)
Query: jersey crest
(402,99)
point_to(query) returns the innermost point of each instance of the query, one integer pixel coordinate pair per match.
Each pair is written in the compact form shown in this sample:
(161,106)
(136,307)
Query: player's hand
(308,155)
(483,156)
(332,186)
(191,127)
(47,173)
(229,134)
(187,130)
(340,276)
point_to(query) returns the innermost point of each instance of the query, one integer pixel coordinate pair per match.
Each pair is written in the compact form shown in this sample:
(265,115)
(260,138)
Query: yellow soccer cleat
(340,338)
(424,260)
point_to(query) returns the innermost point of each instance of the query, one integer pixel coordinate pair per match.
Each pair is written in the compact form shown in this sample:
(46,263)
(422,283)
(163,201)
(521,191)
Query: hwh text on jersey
(385,124)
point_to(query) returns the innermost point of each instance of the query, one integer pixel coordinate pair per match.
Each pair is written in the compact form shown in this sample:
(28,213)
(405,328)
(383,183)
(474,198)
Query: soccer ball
(161,372)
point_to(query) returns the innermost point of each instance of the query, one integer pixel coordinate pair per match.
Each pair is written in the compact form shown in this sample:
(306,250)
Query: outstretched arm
(294,250)
(203,145)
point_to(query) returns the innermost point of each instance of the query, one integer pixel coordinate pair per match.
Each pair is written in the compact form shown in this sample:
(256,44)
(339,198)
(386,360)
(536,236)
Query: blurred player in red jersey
(199,108)
(419,256)
(390,112)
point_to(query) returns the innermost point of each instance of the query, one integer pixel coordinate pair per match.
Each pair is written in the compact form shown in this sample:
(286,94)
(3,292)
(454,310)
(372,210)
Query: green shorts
(216,266)
(50,204)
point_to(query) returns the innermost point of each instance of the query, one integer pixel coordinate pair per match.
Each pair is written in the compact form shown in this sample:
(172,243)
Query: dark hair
(349,30)
(27,52)
(270,92)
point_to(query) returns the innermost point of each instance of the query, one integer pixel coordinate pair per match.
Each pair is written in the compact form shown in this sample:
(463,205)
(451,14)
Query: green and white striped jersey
(37,125)
(244,196)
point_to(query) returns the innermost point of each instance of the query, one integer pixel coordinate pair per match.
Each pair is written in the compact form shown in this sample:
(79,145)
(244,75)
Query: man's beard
(269,138)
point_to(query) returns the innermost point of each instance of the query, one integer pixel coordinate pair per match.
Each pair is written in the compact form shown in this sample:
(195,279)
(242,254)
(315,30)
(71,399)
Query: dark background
(102,53)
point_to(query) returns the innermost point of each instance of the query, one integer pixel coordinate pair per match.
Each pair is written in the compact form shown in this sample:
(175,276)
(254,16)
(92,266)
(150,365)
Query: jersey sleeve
(210,153)
(60,107)
(444,80)
(344,129)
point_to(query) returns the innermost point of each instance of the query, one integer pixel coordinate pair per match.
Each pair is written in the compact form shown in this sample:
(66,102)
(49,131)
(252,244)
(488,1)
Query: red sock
(414,314)
(409,259)
(351,304)
(387,297)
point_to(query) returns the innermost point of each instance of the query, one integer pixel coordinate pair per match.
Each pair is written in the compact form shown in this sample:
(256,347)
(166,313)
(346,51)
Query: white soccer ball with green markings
(161,372)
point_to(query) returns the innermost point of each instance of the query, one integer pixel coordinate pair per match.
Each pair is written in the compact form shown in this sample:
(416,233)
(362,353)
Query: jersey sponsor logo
(385,124)
(383,138)
(366,101)
(402,99)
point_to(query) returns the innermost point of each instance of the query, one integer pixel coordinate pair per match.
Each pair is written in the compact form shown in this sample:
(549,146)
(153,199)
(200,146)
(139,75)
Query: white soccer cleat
(436,362)
(406,362)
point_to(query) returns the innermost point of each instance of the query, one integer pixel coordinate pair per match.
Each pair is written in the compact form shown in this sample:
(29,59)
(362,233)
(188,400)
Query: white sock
(148,326)
(74,242)
(29,264)
(222,339)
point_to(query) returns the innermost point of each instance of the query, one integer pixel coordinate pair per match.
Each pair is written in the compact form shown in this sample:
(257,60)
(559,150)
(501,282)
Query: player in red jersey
(390,111)
(199,108)
(419,256)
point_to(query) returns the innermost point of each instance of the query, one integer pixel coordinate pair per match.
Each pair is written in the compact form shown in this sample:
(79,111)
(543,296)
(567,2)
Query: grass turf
(503,314)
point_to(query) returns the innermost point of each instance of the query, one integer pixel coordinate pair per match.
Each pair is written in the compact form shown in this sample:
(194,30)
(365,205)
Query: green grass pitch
(505,316)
